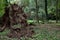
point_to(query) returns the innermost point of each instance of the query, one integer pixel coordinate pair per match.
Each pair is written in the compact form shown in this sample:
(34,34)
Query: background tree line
(39,10)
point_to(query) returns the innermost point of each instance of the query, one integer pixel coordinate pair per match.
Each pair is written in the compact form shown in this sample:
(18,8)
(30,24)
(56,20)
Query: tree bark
(37,7)
(46,10)
(57,11)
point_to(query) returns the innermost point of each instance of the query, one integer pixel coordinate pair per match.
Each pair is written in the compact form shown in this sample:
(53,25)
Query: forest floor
(42,32)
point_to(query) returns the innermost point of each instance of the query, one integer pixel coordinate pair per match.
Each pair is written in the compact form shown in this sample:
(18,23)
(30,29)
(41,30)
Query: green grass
(44,34)
(53,21)
(5,32)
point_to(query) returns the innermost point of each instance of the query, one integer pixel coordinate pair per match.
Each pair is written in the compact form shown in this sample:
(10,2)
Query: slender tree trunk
(37,7)
(59,8)
(46,10)
(56,11)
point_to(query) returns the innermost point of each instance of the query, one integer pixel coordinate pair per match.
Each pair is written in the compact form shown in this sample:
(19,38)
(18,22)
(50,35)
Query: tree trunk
(46,10)
(56,11)
(37,7)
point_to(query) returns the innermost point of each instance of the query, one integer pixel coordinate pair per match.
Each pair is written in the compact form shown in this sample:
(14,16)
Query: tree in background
(37,9)
(46,10)
(57,11)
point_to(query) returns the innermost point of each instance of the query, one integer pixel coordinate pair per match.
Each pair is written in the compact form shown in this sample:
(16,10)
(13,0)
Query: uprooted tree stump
(16,20)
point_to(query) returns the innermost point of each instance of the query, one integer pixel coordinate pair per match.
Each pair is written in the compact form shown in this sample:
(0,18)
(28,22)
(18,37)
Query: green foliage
(2,6)
(30,7)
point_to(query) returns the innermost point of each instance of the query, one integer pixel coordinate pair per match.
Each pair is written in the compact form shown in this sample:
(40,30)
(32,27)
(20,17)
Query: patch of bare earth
(49,26)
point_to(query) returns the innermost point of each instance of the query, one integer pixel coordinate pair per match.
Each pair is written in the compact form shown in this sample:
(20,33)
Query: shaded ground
(42,32)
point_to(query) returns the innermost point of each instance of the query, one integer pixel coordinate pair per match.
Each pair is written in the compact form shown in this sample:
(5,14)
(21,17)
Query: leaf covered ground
(42,32)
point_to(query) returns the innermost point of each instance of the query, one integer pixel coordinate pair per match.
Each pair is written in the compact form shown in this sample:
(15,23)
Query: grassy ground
(42,32)
(48,32)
